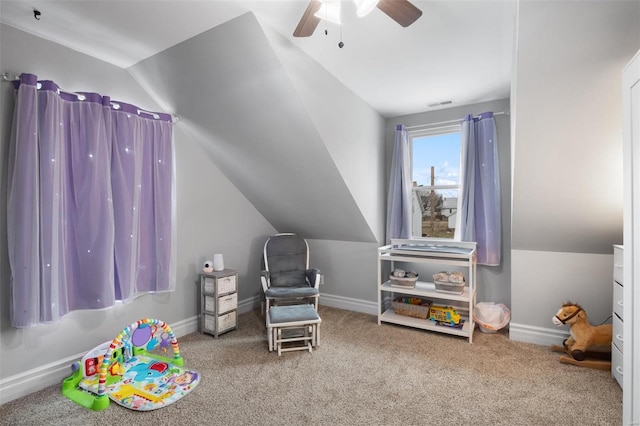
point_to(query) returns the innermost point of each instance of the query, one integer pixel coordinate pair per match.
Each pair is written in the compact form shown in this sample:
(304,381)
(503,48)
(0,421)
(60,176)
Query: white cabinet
(432,255)
(631,240)
(218,302)
(617,342)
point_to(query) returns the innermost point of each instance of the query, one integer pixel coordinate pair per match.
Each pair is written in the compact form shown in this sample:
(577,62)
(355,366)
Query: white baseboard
(250,304)
(33,380)
(517,332)
(54,373)
(330,300)
(340,302)
(356,305)
(538,335)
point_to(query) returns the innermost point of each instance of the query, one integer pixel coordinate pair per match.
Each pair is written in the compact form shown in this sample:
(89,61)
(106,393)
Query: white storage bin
(226,321)
(227,303)
(227,284)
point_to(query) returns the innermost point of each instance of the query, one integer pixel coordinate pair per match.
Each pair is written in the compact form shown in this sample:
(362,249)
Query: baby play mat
(132,370)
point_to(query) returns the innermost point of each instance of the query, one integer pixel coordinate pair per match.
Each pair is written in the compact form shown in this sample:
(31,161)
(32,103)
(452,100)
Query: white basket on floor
(491,317)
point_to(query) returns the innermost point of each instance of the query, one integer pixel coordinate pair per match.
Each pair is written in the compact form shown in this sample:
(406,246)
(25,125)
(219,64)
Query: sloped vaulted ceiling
(233,94)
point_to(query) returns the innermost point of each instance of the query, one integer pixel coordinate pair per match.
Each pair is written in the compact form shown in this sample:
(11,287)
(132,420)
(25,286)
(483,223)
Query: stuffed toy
(584,336)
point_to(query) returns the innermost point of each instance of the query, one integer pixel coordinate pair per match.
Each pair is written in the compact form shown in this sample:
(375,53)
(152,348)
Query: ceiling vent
(441,103)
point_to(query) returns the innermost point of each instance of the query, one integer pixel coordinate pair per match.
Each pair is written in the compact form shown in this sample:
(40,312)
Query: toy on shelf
(135,370)
(445,315)
(588,346)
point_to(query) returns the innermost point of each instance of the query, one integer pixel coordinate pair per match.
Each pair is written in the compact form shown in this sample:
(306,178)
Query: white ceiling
(458,50)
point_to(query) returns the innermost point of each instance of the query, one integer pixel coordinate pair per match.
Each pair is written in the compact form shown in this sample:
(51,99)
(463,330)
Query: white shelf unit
(446,254)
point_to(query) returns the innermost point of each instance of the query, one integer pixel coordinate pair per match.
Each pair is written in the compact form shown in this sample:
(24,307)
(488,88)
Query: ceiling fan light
(365,6)
(330,11)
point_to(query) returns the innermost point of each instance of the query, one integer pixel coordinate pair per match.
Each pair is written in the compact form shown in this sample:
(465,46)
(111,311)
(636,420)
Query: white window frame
(436,130)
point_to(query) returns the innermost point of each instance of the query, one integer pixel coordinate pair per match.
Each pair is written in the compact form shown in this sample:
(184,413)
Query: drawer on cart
(227,303)
(618,256)
(618,305)
(224,303)
(226,321)
(616,364)
(618,335)
(227,284)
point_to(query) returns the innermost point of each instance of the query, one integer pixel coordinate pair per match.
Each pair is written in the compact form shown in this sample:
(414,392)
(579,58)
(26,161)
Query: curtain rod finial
(7,76)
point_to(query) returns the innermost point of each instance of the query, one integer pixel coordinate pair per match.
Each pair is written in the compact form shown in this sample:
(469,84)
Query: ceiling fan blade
(401,11)
(309,21)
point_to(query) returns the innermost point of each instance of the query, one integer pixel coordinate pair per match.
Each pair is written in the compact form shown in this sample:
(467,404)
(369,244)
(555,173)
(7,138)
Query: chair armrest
(264,279)
(314,276)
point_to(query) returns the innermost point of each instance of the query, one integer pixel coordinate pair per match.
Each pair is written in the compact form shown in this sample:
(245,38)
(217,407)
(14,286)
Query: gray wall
(494,282)
(258,151)
(567,181)
(213,216)
(306,152)
(271,131)
(565,105)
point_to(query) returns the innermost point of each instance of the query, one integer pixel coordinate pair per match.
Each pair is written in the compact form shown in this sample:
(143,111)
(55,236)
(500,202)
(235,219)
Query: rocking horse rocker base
(582,347)
(592,359)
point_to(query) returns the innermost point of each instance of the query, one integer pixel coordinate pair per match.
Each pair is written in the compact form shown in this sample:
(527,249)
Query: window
(435,172)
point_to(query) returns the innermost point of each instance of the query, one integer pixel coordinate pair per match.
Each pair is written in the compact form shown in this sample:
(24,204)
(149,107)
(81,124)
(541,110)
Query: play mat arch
(134,370)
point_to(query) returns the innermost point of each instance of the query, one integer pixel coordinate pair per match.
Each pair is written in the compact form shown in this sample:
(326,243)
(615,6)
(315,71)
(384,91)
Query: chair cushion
(288,278)
(286,257)
(292,313)
(290,292)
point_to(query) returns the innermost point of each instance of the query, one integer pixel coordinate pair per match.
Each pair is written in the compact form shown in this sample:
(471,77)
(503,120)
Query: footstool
(300,323)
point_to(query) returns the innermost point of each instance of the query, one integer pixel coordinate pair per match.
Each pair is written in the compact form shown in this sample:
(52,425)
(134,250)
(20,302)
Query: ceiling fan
(401,11)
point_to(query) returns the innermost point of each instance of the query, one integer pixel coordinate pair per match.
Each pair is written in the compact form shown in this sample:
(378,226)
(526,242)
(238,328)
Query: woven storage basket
(403,282)
(454,288)
(410,309)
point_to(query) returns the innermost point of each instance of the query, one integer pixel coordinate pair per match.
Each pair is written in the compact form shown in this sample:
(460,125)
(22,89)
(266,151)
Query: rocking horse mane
(579,313)
(566,304)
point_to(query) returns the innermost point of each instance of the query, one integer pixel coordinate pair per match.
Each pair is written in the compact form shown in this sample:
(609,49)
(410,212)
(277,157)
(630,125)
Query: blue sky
(440,151)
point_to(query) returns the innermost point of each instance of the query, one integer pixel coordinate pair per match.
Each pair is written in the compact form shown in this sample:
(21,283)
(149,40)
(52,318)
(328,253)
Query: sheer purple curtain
(399,199)
(142,179)
(90,205)
(480,194)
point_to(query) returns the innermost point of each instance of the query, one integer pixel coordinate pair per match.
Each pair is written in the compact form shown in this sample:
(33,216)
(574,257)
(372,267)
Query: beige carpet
(362,374)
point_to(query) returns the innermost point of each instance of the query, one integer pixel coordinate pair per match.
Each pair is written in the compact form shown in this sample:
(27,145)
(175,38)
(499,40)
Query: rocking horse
(588,346)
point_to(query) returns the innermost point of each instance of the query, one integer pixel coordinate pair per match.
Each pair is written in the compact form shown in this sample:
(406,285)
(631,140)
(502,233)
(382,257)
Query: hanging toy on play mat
(135,370)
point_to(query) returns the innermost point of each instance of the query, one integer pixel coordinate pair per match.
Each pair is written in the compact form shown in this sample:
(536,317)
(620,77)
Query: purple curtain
(142,184)
(399,199)
(90,202)
(480,193)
